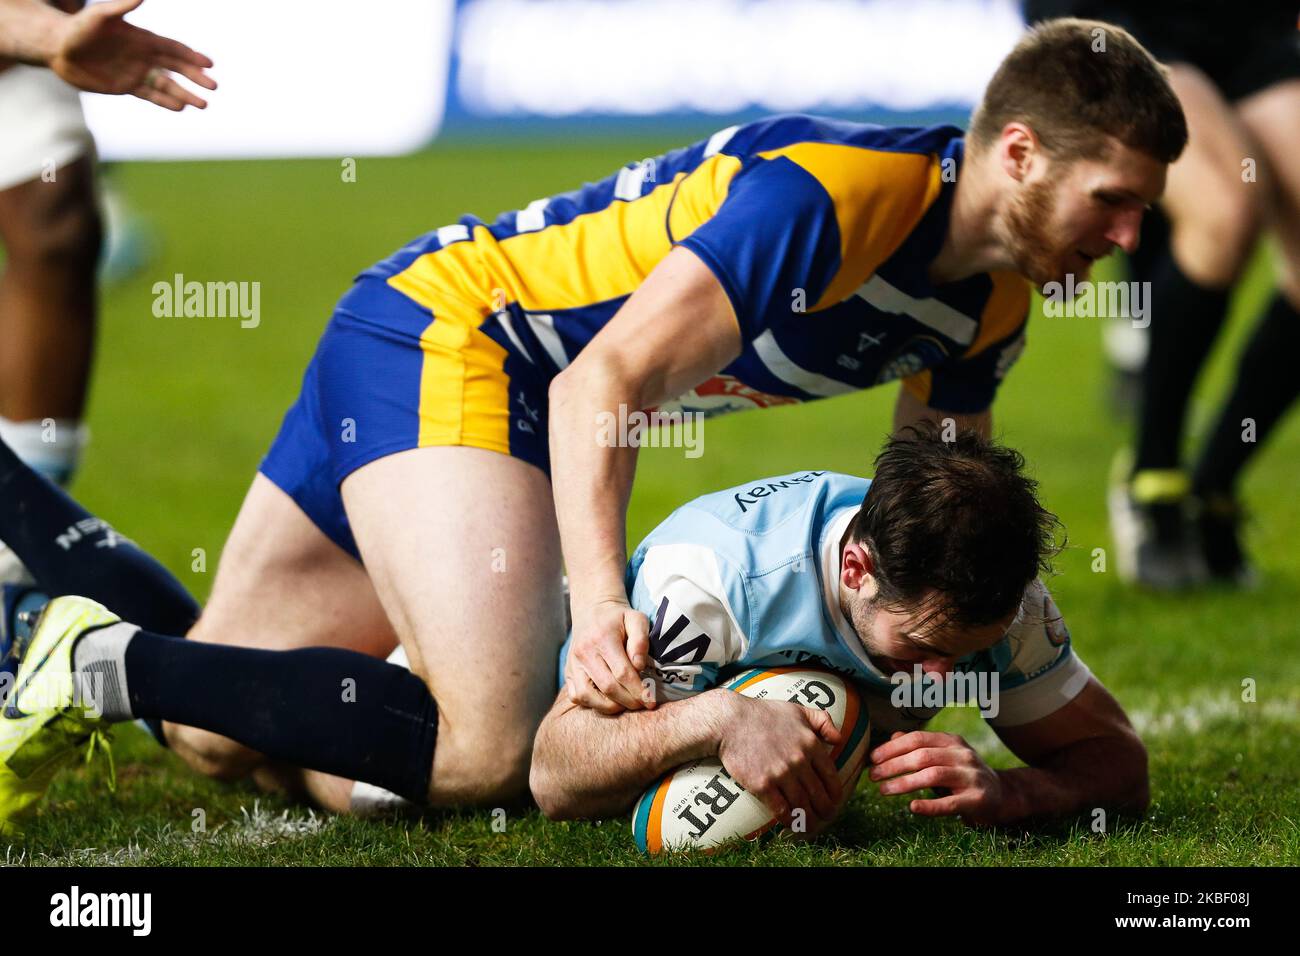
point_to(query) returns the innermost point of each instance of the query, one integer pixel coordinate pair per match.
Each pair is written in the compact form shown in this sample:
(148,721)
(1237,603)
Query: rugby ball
(700,806)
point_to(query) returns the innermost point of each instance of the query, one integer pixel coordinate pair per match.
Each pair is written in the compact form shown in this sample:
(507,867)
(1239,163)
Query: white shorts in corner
(41,124)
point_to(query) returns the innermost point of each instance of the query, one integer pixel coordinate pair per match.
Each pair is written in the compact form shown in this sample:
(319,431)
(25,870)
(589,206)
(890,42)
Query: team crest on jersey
(917,353)
(1057,633)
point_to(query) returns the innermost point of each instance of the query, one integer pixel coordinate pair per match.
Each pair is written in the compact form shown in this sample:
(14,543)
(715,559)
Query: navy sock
(1185,319)
(324,708)
(1265,387)
(70,551)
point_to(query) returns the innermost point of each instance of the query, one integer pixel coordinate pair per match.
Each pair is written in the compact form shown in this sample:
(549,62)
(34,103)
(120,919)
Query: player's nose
(938,666)
(1125,231)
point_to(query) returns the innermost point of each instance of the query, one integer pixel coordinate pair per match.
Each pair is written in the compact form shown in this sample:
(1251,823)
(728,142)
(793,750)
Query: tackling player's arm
(588,764)
(1084,755)
(675,331)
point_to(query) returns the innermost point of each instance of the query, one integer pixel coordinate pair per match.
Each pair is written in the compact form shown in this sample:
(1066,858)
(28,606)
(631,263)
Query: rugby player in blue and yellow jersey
(450,412)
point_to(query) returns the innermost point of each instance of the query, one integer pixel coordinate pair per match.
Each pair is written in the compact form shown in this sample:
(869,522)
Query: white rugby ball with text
(700,806)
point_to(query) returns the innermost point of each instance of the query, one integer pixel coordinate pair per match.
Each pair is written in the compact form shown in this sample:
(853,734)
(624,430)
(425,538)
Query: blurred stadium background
(483,106)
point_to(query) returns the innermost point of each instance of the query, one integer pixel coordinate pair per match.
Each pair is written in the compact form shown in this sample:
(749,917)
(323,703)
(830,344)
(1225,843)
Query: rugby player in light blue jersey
(927,570)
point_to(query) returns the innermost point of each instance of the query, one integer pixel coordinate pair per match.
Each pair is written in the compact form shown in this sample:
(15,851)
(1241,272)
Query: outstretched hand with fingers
(964,784)
(98,51)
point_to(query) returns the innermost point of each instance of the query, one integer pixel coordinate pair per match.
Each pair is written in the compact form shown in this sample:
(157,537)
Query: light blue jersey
(749,577)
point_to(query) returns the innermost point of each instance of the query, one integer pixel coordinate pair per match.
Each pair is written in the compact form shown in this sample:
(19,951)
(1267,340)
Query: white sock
(367,799)
(371,801)
(51,446)
(99,660)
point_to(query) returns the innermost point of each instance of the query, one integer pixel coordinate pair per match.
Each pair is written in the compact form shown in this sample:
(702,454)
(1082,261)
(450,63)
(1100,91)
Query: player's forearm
(1103,772)
(592,479)
(586,764)
(29,31)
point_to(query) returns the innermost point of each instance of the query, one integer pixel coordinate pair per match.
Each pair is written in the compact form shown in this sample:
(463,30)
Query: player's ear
(1016,150)
(858,568)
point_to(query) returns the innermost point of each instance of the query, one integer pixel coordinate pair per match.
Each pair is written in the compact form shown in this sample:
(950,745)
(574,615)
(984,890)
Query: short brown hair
(1074,82)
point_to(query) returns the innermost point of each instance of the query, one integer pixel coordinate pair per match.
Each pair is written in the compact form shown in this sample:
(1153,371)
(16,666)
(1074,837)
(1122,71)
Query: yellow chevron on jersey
(879,198)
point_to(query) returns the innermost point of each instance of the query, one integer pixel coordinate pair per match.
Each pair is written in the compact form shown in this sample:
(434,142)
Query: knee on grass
(473,768)
(211,754)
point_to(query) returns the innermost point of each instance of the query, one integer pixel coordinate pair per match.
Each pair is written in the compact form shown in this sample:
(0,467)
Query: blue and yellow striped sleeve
(773,245)
(801,227)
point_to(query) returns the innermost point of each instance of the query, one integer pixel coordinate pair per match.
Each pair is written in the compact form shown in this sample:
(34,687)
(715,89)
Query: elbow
(561,387)
(540,780)
(552,796)
(562,797)
(593,377)
(548,797)
(576,378)
(555,804)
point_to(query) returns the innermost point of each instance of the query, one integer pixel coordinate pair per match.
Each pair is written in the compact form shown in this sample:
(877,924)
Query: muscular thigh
(282,584)
(1273,117)
(462,547)
(1215,215)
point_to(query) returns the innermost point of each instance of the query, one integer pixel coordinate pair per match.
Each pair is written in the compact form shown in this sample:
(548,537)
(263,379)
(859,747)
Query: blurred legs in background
(50,228)
(1266,383)
(1214,225)
(1172,529)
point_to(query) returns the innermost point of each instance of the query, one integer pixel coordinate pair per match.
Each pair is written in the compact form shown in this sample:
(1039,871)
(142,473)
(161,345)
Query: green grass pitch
(183,408)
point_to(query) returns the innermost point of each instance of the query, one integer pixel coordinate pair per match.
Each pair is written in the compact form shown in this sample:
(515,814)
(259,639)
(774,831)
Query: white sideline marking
(1179,717)
(259,828)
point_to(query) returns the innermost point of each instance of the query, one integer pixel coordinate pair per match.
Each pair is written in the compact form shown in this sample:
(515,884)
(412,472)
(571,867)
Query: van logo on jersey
(772,487)
(662,650)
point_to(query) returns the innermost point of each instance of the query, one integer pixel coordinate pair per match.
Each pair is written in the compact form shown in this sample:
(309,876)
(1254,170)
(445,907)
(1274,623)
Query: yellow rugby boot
(47,718)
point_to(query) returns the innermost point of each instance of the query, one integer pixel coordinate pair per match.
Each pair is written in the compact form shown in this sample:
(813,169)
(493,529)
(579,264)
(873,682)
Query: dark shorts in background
(1243,46)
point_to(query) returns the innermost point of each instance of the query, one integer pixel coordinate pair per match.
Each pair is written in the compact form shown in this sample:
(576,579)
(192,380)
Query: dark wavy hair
(958,518)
